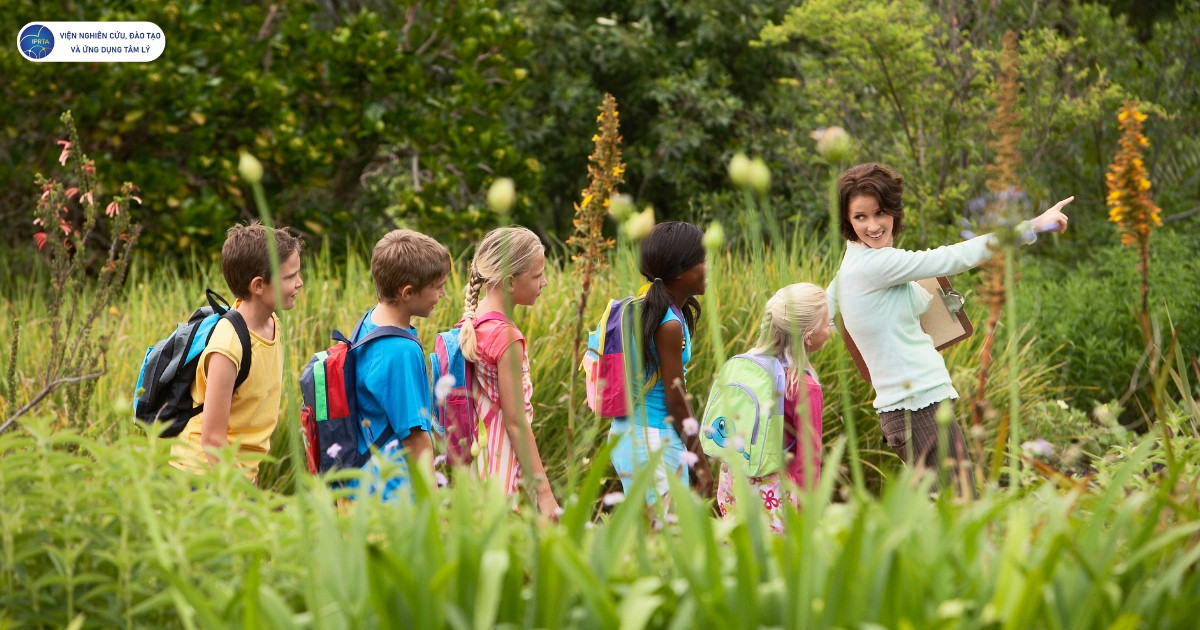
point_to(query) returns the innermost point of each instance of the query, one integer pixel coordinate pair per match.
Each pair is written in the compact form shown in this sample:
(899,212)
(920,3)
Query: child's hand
(704,479)
(548,505)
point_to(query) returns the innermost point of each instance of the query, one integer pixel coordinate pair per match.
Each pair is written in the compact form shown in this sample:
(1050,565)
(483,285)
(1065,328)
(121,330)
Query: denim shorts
(635,443)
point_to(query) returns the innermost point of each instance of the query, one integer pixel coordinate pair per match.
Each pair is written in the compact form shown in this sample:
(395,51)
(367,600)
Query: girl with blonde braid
(510,263)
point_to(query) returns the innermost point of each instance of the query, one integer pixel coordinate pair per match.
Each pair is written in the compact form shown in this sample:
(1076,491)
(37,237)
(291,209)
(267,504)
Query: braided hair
(502,252)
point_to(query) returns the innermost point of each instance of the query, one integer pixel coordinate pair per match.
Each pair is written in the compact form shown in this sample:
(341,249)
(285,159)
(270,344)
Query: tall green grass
(101,534)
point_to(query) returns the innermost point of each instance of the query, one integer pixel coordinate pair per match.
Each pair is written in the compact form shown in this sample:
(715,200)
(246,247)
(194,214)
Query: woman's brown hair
(872,180)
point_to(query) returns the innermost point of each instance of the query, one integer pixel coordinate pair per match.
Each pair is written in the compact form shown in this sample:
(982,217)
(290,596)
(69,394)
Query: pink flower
(88,198)
(37,221)
(690,427)
(40,238)
(113,209)
(689,458)
(333,450)
(769,500)
(66,227)
(89,167)
(71,192)
(66,152)
(136,198)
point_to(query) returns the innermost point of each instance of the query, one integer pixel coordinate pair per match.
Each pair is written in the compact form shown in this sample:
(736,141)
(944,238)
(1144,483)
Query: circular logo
(36,41)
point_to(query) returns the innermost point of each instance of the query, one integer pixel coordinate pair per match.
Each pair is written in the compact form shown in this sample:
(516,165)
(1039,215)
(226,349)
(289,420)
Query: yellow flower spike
(1139,116)
(1123,116)
(586,201)
(618,171)
(596,138)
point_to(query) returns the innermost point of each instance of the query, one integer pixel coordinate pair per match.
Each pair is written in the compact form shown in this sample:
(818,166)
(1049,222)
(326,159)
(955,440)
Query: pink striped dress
(497,458)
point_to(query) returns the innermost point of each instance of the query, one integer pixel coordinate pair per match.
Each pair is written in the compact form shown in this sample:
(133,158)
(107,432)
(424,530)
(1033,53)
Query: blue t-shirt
(392,384)
(653,406)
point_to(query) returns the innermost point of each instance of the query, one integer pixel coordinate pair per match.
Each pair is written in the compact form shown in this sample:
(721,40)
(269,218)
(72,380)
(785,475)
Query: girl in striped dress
(510,262)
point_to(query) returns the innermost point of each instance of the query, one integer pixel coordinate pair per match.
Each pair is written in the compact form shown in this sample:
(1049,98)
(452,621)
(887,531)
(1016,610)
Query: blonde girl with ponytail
(509,269)
(795,324)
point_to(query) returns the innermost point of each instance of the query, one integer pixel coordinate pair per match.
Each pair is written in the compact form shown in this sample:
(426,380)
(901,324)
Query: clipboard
(945,321)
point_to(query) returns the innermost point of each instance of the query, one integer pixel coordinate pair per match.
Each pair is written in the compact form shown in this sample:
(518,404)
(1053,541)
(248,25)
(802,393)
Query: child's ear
(407,292)
(507,282)
(258,285)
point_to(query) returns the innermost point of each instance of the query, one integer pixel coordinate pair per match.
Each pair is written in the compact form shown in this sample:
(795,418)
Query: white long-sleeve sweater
(880,303)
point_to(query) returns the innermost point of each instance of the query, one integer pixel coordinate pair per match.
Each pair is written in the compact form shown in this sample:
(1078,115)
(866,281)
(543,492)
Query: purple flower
(613,498)
(690,427)
(333,450)
(689,458)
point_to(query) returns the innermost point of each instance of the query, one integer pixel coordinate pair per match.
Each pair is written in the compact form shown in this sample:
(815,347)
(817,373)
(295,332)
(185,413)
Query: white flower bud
(501,195)
(638,226)
(249,167)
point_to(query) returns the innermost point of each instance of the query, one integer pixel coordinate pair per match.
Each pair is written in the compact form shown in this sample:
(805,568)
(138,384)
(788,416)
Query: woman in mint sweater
(880,302)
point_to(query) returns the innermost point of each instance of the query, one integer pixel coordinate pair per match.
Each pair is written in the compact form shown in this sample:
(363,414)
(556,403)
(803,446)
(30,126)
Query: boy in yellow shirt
(245,416)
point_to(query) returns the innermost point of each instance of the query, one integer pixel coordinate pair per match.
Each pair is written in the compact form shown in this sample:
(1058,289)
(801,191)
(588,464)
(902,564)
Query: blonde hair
(793,312)
(503,252)
(406,258)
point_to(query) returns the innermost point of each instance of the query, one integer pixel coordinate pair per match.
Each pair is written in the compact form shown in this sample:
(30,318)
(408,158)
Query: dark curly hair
(872,180)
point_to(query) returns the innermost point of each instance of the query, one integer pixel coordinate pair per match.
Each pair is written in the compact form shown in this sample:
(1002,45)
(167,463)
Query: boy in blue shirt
(409,270)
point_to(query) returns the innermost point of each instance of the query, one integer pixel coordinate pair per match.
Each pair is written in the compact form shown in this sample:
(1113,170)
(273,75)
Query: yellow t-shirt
(254,411)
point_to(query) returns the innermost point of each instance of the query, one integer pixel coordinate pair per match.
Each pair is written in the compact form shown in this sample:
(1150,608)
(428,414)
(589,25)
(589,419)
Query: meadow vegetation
(1086,446)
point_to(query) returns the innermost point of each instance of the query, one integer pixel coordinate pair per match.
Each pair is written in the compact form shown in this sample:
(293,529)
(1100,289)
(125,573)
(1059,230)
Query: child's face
(422,302)
(527,286)
(694,280)
(289,284)
(816,339)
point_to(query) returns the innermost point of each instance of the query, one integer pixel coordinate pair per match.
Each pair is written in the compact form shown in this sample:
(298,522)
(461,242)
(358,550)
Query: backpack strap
(350,368)
(243,332)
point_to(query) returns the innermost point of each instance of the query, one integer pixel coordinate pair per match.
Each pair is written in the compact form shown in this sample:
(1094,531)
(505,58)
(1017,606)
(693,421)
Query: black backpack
(164,386)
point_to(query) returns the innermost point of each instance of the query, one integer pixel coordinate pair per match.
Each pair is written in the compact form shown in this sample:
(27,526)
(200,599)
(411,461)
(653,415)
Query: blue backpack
(454,418)
(329,418)
(163,395)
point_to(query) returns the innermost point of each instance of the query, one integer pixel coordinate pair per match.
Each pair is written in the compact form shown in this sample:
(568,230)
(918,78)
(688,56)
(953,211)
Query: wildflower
(690,427)
(112,209)
(88,198)
(834,144)
(112,310)
(1062,404)
(40,238)
(66,152)
(89,167)
(501,195)
(249,167)
(760,176)
(714,236)
(638,226)
(333,450)
(391,446)
(689,458)
(739,170)
(136,198)
(1037,448)
(613,498)
(71,192)
(442,388)
(621,207)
